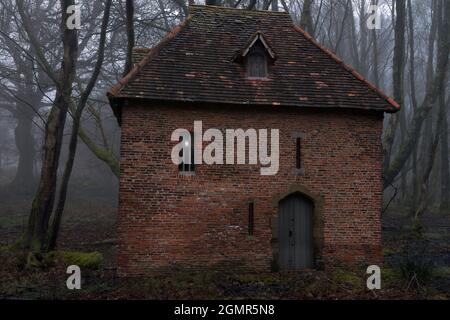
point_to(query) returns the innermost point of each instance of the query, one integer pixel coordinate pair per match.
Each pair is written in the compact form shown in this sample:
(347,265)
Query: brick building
(233,68)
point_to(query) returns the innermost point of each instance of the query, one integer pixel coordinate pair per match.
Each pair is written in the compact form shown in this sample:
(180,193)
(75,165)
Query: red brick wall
(167,219)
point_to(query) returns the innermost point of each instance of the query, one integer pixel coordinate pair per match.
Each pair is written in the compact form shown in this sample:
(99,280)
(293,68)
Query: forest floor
(89,226)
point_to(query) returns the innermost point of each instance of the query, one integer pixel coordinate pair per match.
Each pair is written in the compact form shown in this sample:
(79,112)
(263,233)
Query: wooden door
(295,223)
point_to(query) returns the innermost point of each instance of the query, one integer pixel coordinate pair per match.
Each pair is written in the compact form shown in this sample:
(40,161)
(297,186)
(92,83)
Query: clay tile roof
(195,63)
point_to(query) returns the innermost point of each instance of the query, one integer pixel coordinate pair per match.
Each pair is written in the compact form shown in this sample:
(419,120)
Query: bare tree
(75,129)
(42,206)
(130,35)
(445,170)
(432,92)
(443,29)
(306,19)
(413,99)
(398,73)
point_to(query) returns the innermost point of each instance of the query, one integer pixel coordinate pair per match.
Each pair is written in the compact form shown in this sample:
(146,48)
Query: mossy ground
(87,240)
(47,280)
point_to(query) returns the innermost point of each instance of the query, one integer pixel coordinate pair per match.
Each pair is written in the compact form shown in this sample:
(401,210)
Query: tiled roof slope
(195,63)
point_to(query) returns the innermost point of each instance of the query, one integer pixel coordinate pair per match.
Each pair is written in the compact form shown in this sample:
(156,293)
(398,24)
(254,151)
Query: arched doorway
(295,232)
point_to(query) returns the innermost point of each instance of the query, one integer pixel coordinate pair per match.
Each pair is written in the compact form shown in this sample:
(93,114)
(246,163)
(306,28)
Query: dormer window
(256,57)
(256,62)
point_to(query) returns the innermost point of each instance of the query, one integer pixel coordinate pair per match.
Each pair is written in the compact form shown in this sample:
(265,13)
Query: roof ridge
(149,55)
(203,6)
(355,73)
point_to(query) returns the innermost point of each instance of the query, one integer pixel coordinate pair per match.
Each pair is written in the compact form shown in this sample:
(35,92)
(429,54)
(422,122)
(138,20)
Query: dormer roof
(258,36)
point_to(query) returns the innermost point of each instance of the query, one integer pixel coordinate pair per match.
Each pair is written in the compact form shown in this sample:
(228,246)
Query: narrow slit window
(298,153)
(251,218)
(187,154)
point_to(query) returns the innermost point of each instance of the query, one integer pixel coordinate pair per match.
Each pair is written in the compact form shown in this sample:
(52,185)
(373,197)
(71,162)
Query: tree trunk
(445,171)
(353,39)
(306,19)
(28,104)
(397,73)
(54,232)
(443,31)
(376,77)
(363,43)
(130,36)
(251,5)
(35,237)
(427,138)
(348,10)
(274,5)
(429,162)
(412,83)
(25,146)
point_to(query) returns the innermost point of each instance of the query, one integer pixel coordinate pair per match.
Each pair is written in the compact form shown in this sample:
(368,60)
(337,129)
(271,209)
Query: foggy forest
(60,143)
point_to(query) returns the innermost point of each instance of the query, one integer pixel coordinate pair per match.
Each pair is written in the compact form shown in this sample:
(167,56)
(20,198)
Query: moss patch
(442,272)
(390,275)
(90,260)
(390,251)
(347,278)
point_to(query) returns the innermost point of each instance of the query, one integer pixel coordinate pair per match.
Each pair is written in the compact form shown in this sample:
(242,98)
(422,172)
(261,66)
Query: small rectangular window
(187,154)
(298,156)
(250,218)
